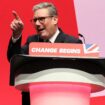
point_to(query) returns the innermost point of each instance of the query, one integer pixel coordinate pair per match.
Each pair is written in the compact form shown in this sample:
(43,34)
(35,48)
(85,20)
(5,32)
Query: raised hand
(16,25)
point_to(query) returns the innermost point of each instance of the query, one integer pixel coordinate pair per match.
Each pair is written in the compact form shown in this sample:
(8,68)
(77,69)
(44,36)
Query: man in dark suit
(45,21)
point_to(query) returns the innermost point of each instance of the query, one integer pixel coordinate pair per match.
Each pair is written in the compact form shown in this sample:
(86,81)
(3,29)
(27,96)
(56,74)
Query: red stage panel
(98,100)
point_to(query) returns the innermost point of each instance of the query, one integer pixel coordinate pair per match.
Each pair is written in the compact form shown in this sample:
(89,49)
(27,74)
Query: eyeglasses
(40,19)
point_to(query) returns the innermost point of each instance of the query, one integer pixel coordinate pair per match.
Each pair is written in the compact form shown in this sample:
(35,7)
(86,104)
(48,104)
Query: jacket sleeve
(13,48)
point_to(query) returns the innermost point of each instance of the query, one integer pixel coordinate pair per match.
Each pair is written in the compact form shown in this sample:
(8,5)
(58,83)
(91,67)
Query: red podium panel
(60,93)
(64,50)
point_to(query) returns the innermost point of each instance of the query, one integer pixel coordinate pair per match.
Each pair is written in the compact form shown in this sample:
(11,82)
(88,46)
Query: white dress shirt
(53,38)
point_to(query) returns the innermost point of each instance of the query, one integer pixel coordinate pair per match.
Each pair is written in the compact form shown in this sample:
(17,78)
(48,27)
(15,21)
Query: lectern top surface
(31,64)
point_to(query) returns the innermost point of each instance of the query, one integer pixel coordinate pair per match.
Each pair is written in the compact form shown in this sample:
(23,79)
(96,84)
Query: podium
(57,80)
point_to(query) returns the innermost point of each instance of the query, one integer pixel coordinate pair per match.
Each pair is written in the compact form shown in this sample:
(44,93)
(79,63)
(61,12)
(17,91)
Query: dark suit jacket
(15,48)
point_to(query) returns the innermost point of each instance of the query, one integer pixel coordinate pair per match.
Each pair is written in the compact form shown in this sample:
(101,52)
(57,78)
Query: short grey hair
(50,6)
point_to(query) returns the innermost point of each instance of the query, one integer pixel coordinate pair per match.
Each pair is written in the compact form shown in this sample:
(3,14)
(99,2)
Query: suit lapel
(60,38)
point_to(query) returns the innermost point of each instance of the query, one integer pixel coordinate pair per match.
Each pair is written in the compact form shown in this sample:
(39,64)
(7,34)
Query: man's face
(45,24)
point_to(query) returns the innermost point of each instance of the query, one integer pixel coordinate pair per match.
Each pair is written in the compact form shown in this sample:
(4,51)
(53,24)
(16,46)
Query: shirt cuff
(14,40)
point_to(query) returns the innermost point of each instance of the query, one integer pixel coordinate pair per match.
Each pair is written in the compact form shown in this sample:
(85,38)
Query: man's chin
(43,36)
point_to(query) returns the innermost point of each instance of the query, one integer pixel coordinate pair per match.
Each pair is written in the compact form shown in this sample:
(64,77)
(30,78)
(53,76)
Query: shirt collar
(53,38)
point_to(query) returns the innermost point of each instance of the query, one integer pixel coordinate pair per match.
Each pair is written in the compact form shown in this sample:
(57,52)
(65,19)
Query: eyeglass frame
(40,19)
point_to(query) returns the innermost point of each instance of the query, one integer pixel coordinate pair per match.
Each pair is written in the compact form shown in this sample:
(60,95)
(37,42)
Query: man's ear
(55,20)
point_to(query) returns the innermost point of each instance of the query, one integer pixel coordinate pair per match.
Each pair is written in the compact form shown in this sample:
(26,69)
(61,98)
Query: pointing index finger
(15,15)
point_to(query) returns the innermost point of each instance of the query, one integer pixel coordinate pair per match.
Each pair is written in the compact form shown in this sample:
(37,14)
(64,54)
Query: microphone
(83,38)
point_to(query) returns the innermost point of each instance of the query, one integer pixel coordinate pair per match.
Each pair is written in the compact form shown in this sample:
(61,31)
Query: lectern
(57,80)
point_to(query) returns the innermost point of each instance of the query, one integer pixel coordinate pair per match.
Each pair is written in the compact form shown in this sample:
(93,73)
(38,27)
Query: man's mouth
(40,29)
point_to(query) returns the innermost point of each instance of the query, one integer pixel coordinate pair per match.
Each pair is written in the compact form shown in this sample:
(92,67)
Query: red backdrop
(67,21)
